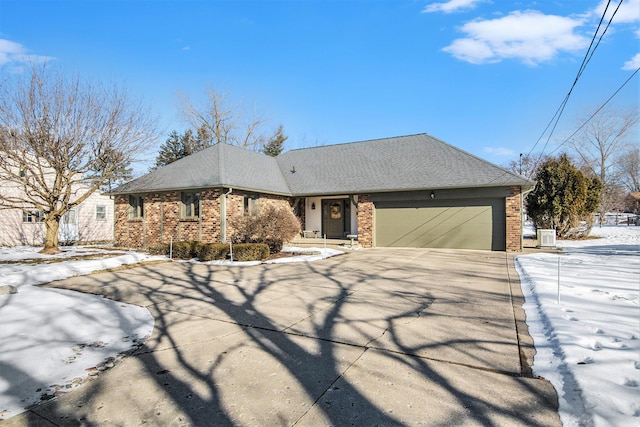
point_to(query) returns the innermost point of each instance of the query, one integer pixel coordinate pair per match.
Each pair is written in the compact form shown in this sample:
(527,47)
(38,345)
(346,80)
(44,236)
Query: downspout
(223,216)
(522,194)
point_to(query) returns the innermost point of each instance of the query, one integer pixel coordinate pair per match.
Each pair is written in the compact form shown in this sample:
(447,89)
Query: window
(32,216)
(250,204)
(101,213)
(136,207)
(190,205)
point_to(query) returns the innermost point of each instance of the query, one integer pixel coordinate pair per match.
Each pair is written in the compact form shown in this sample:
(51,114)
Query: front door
(68,231)
(335,218)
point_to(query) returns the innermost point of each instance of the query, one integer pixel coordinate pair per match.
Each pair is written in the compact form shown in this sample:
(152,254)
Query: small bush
(183,250)
(196,248)
(212,251)
(159,249)
(250,251)
(272,225)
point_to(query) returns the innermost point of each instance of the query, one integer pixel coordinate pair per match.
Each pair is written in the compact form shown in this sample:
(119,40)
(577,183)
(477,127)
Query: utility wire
(585,61)
(597,111)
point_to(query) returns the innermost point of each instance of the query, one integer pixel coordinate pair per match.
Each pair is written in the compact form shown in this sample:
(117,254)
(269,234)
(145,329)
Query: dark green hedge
(213,251)
(159,249)
(184,249)
(189,249)
(250,251)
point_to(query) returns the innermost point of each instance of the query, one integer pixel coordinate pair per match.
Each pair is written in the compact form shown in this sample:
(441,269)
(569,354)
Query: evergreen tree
(563,197)
(175,147)
(275,146)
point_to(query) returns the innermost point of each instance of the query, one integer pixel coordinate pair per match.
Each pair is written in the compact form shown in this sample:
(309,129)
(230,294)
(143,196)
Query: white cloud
(451,6)
(633,63)
(499,151)
(16,54)
(629,11)
(529,36)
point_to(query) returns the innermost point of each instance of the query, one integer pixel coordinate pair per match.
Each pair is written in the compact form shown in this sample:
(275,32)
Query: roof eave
(200,188)
(524,185)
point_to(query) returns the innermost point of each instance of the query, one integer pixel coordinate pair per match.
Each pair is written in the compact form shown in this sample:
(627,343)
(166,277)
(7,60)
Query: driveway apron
(372,337)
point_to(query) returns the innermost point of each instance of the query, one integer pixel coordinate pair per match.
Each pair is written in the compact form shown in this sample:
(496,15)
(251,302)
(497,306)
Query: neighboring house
(91,221)
(411,191)
(632,202)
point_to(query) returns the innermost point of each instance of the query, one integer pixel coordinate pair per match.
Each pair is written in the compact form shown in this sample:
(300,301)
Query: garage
(454,224)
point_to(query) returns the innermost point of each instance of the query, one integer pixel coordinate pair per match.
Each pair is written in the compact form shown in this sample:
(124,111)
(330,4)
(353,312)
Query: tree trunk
(51,236)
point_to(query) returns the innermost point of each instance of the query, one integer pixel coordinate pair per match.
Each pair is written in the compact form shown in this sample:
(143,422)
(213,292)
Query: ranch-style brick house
(408,191)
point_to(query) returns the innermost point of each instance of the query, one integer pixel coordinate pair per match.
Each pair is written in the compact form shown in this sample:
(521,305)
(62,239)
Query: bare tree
(225,122)
(527,164)
(61,139)
(629,163)
(598,145)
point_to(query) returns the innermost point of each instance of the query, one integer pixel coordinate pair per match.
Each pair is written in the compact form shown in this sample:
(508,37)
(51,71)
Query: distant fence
(621,218)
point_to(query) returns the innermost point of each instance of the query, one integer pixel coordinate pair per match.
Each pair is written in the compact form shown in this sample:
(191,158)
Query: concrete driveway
(375,337)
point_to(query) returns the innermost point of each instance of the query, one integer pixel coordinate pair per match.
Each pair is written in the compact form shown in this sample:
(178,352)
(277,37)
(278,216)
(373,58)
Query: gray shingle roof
(391,164)
(220,165)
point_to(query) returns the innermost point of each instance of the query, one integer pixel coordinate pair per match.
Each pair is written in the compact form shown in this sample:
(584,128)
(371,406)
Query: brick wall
(210,216)
(162,221)
(365,220)
(129,232)
(235,209)
(120,210)
(514,220)
(152,218)
(170,217)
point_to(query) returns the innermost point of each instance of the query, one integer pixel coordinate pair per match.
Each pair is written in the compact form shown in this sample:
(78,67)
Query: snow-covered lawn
(51,340)
(587,335)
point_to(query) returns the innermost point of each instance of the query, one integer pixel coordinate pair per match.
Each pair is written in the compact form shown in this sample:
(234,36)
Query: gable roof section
(220,165)
(404,163)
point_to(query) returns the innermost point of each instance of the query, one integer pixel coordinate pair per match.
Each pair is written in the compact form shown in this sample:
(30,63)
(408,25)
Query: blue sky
(483,75)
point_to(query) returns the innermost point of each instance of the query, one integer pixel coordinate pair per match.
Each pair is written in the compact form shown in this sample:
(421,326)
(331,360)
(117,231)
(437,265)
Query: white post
(171,247)
(231,249)
(324,253)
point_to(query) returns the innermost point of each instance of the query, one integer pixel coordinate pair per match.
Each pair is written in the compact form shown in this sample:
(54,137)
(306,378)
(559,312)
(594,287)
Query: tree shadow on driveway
(360,339)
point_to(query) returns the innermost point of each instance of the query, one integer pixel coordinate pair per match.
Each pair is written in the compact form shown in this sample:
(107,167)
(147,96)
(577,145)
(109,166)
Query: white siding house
(89,222)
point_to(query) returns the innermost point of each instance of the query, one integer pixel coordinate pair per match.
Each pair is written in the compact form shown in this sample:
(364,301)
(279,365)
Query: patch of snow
(35,274)
(21,253)
(50,337)
(306,254)
(529,230)
(583,311)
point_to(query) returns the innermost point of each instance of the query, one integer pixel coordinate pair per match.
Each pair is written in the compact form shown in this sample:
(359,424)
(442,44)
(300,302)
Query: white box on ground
(546,238)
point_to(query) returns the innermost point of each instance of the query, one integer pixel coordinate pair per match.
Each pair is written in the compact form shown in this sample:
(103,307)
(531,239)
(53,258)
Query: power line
(597,111)
(585,61)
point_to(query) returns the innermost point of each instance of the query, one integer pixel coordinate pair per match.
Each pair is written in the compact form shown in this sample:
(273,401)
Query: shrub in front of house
(183,250)
(269,224)
(196,248)
(158,249)
(250,251)
(212,251)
